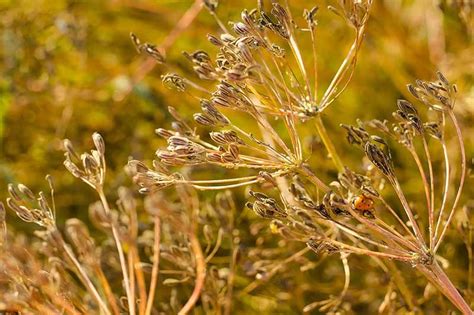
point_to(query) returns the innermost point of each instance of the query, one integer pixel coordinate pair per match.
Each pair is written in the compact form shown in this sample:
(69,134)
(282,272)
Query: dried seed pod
(309,16)
(211,5)
(99,143)
(356,135)
(13,192)
(73,169)
(214,40)
(209,109)
(234,151)
(204,119)
(164,133)
(268,177)
(322,246)
(433,130)
(379,158)
(172,80)
(70,149)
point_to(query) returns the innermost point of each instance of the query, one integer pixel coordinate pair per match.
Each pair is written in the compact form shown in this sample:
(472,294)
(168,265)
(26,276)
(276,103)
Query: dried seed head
(73,169)
(164,133)
(172,80)
(268,178)
(406,107)
(433,130)
(280,13)
(154,52)
(265,206)
(204,119)
(136,42)
(211,5)
(147,48)
(70,149)
(379,158)
(99,143)
(214,40)
(310,15)
(208,108)
(13,192)
(356,135)
(321,246)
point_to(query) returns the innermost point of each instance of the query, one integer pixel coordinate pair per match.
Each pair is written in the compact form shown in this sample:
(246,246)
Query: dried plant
(259,73)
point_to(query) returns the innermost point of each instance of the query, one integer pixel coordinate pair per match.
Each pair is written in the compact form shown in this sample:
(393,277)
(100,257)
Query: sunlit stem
(427,189)
(118,244)
(315,62)
(226,186)
(200,274)
(446,182)
(430,210)
(86,278)
(461,182)
(392,211)
(361,251)
(299,60)
(156,264)
(409,212)
(328,144)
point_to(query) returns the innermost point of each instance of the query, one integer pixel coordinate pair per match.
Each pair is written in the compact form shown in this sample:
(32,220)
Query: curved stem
(431,208)
(155,268)
(85,278)
(200,274)
(461,182)
(118,244)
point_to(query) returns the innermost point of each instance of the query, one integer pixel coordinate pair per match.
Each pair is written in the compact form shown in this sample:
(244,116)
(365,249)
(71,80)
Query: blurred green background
(68,68)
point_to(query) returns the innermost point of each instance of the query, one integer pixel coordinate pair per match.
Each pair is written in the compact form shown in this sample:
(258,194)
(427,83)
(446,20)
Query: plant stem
(155,269)
(85,277)
(118,244)
(438,277)
(328,144)
(461,181)
(200,274)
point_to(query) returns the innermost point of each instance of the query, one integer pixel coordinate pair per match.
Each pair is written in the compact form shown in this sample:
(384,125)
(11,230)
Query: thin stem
(361,251)
(108,290)
(409,212)
(118,244)
(328,143)
(446,187)
(392,211)
(299,59)
(427,188)
(86,278)
(155,268)
(216,247)
(461,182)
(200,274)
(230,281)
(430,209)
(342,69)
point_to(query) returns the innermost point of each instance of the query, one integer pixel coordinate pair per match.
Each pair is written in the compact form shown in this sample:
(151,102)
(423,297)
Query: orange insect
(364,204)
